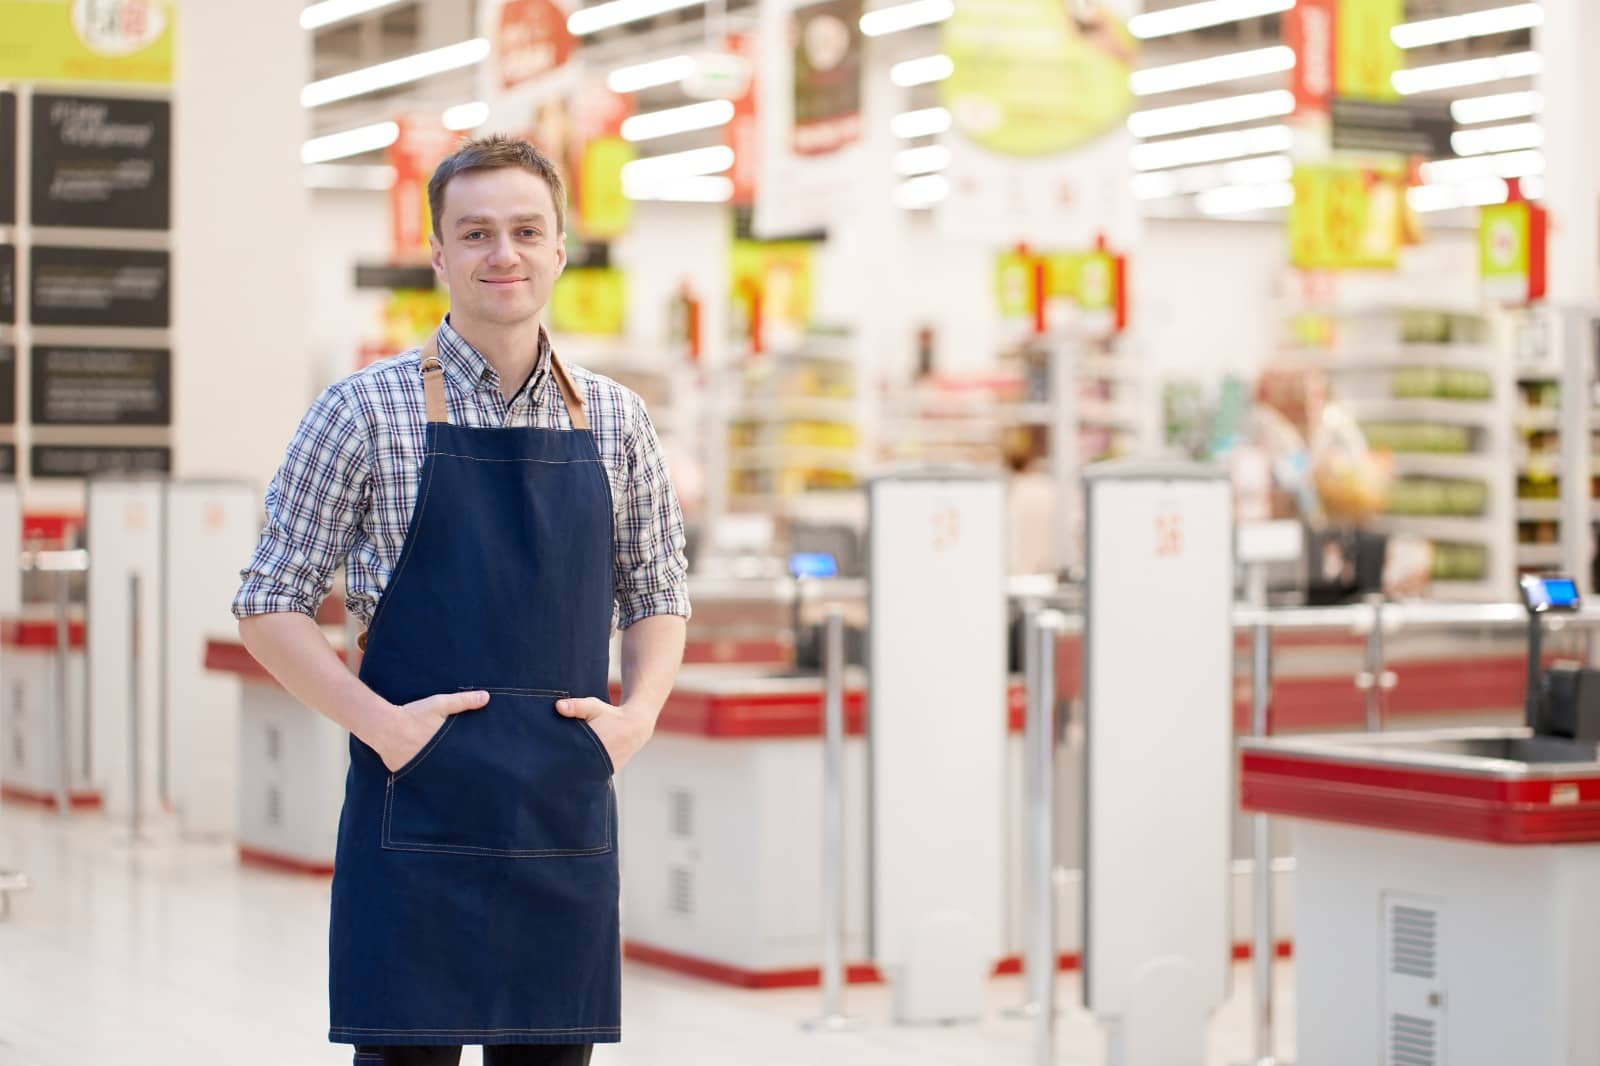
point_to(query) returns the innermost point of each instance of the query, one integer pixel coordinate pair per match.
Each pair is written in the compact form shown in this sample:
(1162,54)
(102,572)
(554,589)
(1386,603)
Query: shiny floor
(159,952)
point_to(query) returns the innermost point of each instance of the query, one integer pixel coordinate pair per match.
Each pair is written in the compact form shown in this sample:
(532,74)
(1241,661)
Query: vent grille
(274,743)
(680,890)
(274,806)
(680,812)
(18,713)
(1414,942)
(1413,1041)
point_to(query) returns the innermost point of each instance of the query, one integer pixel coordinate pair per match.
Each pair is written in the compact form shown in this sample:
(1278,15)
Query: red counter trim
(271,860)
(231,657)
(40,634)
(861,973)
(1435,803)
(78,801)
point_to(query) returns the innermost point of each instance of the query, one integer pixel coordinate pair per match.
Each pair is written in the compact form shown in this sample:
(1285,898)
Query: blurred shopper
(497,512)
(1031,502)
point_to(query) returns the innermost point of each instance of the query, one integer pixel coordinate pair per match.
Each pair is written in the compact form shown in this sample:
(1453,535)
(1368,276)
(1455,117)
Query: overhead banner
(827,76)
(113,41)
(1347,217)
(743,134)
(602,209)
(101,162)
(1309,29)
(422,143)
(592,300)
(1039,147)
(8,385)
(1367,54)
(10,150)
(1512,239)
(530,40)
(8,284)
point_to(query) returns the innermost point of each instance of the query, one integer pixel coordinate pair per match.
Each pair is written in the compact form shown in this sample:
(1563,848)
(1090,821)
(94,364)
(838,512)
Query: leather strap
(433,386)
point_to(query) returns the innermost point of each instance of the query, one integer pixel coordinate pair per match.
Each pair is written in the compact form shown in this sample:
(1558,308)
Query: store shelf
(1460,412)
(1538,418)
(1538,555)
(1441,527)
(1107,368)
(1100,413)
(1443,464)
(796,409)
(1538,510)
(1392,357)
(820,457)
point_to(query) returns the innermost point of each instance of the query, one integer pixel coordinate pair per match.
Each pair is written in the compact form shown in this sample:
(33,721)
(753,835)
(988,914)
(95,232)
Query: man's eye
(473,235)
(531,234)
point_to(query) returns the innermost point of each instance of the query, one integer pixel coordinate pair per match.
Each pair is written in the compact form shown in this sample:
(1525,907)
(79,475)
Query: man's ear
(561,254)
(436,256)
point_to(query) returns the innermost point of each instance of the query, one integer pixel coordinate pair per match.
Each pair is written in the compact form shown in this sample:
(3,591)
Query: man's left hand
(622,732)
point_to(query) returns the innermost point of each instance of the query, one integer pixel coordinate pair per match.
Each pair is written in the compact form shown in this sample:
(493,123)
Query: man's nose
(502,252)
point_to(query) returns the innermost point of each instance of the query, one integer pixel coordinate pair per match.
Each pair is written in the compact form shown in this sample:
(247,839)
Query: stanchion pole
(63,731)
(1375,680)
(1039,743)
(1031,861)
(136,764)
(1264,950)
(833,1017)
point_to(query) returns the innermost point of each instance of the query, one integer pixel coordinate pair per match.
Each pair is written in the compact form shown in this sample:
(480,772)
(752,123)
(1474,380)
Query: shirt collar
(468,369)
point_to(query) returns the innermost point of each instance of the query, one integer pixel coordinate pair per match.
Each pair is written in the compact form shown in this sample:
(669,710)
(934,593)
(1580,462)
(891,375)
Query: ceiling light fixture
(466,116)
(315,16)
(1225,111)
(395,72)
(924,123)
(1467,72)
(1514,138)
(1235,66)
(587,20)
(349,142)
(1472,24)
(1496,108)
(1210,147)
(1198,16)
(650,75)
(702,116)
(922,71)
(886,20)
(1241,199)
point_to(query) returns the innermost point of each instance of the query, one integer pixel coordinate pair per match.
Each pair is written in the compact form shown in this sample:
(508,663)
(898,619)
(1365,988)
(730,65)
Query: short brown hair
(496,152)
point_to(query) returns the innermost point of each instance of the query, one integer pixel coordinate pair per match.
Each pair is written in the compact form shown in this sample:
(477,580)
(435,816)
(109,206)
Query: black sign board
(10,152)
(8,460)
(8,385)
(8,283)
(377,276)
(1403,127)
(82,460)
(101,161)
(100,287)
(100,386)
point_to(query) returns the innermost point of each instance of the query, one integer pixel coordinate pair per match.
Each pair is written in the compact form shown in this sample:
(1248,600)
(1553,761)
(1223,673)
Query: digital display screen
(1561,591)
(813,564)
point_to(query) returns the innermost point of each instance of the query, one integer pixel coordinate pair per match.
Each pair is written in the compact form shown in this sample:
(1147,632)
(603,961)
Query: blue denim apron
(475,888)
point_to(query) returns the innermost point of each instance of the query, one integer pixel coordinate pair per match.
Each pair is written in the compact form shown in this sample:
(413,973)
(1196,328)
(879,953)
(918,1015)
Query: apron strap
(569,394)
(433,386)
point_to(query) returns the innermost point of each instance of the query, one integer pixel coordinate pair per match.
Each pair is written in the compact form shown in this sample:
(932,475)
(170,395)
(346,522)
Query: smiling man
(497,512)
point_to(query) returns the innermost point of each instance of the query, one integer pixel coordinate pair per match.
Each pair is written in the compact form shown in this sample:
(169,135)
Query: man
(498,511)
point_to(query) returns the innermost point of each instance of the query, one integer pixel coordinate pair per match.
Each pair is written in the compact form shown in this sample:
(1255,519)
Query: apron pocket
(514,779)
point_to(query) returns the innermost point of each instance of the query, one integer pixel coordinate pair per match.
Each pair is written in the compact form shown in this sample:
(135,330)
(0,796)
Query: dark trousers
(499,1055)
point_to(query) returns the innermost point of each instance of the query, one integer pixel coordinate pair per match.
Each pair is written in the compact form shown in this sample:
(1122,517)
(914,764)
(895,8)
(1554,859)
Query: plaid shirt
(348,484)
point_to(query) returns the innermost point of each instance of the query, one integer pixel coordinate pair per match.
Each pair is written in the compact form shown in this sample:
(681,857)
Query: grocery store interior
(1139,465)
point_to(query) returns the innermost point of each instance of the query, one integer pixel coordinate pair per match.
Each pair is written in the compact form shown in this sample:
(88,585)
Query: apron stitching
(477,1032)
(491,689)
(545,462)
(427,749)
(416,523)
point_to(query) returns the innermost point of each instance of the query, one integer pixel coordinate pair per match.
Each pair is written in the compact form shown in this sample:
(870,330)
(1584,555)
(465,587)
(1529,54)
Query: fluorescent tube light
(349,176)
(1496,108)
(1239,199)
(1225,111)
(1156,185)
(1467,72)
(923,123)
(649,75)
(684,189)
(394,72)
(922,71)
(349,142)
(328,12)
(1424,198)
(1235,66)
(1262,170)
(926,159)
(587,20)
(1513,138)
(1198,16)
(921,192)
(702,116)
(1472,168)
(694,163)
(900,17)
(466,116)
(1473,24)
(1533,186)
(1210,147)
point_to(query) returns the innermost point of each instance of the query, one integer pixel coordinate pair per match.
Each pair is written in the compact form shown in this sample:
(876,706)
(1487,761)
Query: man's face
(498,250)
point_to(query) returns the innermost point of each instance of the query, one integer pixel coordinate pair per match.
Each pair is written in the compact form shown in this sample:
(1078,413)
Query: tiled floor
(167,953)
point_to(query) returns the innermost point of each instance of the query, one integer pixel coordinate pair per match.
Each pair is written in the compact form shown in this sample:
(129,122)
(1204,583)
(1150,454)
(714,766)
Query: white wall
(347,226)
(239,218)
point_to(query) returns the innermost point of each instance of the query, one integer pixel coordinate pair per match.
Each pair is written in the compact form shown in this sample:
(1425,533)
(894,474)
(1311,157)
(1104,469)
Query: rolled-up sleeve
(651,569)
(313,508)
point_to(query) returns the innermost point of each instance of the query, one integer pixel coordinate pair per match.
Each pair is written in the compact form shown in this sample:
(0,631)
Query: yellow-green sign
(590,300)
(1367,56)
(1031,79)
(779,272)
(1088,279)
(1504,251)
(117,41)
(1347,217)
(604,210)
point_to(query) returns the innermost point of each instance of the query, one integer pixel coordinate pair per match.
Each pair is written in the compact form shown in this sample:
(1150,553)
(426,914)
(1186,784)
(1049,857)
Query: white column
(242,373)
(1569,41)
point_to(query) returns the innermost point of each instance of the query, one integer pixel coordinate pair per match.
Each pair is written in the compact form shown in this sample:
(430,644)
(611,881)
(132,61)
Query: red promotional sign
(1310,29)
(827,76)
(743,133)
(422,143)
(530,39)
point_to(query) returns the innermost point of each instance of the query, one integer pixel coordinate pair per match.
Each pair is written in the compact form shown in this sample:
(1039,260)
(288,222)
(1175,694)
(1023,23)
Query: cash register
(1563,700)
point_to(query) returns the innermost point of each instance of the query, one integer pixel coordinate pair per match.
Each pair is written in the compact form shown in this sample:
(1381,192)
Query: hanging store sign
(1030,79)
(592,300)
(743,134)
(827,76)
(100,386)
(99,287)
(1367,56)
(1512,240)
(116,41)
(8,284)
(1347,217)
(87,460)
(530,40)
(101,162)
(8,460)
(1093,282)
(1309,28)
(1408,128)
(603,209)
(10,151)
(419,148)
(8,385)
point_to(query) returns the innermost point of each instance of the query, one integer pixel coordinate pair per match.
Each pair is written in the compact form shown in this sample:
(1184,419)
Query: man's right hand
(408,730)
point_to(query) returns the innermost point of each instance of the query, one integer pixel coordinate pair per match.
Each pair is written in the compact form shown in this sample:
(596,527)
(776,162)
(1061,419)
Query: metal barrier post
(1264,949)
(1030,859)
(1374,680)
(62,727)
(833,1017)
(136,764)
(1039,735)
